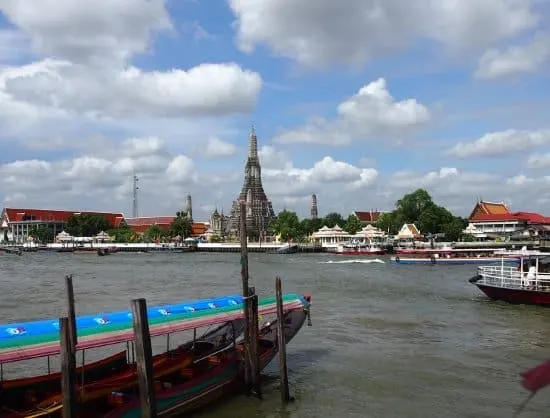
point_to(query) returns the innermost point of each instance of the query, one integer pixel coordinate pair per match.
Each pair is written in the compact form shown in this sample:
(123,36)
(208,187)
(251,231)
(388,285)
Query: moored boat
(528,283)
(436,259)
(359,248)
(21,341)
(209,378)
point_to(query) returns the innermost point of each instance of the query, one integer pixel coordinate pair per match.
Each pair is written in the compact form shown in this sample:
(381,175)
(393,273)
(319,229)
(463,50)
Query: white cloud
(103,180)
(324,32)
(88,32)
(285,180)
(458,190)
(539,161)
(501,143)
(516,59)
(208,89)
(216,148)
(371,112)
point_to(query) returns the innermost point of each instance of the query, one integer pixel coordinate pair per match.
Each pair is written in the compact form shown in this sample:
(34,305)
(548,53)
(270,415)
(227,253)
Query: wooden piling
(144,358)
(244,277)
(285,394)
(71,310)
(254,345)
(68,369)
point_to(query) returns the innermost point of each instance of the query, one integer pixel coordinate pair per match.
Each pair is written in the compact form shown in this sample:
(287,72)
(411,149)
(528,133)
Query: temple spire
(252,143)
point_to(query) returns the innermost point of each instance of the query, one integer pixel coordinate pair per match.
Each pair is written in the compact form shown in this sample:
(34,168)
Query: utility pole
(135,189)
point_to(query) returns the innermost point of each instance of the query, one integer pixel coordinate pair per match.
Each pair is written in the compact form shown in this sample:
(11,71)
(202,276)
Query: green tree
(309,226)
(122,234)
(389,222)
(181,226)
(413,204)
(287,225)
(215,238)
(353,224)
(333,219)
(87,224)
(42,233)
(154,233)
(453,229)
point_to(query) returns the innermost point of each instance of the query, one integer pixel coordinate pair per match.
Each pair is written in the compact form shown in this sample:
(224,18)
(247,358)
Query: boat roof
(523,253)
(26,340)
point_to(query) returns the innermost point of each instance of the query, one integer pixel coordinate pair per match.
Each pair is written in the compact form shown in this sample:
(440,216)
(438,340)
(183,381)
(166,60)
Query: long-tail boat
(28,340)
(208,379)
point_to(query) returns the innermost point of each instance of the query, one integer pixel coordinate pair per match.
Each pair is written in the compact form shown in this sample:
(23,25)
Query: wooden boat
(529,283)
(16,390)
(208,379)
(21,341)
(286,249)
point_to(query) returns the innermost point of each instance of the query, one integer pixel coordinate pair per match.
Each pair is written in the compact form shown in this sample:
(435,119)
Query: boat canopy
(26,340)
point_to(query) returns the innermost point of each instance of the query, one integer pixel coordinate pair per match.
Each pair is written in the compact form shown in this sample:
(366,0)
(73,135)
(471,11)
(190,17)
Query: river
(386,341)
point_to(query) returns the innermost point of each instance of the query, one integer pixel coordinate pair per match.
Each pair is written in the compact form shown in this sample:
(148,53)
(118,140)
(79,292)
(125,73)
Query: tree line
(416,208)
(89,225)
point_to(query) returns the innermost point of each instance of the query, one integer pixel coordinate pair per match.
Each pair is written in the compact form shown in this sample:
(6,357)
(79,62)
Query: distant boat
(287,249)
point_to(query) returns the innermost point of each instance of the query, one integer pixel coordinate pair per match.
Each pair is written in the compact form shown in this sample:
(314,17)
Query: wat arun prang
(259,210)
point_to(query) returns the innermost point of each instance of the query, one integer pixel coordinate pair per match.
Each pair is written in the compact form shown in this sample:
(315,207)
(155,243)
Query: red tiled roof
(54,215)
(142,224)
(528,217)
(150,220)
(368,216)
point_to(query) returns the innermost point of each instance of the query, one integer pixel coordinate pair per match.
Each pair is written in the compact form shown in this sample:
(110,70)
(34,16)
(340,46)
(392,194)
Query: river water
(386,340)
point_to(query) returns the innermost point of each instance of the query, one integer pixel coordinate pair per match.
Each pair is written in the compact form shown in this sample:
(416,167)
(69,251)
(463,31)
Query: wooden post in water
(244,277)
(71,310)
(68,369)
(285,394)
(144,360)
(254,344)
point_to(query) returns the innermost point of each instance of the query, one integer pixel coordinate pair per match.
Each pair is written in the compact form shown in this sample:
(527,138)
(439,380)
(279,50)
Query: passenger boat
(455,258)
(359,248)
(444,250)
(23,341)
(529,283)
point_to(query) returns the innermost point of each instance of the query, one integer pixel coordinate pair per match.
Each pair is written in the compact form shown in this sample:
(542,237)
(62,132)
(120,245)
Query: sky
(357,101)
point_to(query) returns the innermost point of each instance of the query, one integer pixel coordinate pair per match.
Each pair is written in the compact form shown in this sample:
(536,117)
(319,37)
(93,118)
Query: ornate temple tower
(189,207)
(259,210)
(314,214)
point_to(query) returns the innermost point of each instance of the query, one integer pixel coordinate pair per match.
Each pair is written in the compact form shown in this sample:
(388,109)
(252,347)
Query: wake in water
(376,260)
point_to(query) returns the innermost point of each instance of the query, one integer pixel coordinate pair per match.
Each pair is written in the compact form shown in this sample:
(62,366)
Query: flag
(536,378)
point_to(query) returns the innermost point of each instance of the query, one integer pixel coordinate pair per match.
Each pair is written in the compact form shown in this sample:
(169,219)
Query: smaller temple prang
(314,212)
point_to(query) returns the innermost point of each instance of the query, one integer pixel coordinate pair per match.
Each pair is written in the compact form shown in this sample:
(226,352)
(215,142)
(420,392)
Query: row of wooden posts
(144,355)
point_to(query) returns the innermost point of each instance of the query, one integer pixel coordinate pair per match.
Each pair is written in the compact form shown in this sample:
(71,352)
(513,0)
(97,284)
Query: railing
(511,277)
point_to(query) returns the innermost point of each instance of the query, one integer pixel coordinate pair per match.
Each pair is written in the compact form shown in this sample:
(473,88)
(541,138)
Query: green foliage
(42,233)
(87,224)
(287,225)
(215,238)
(333,219)
(309,226)
(419,208)
(353,225)
(155,233)
(181,226)
(122,234)
(468,238)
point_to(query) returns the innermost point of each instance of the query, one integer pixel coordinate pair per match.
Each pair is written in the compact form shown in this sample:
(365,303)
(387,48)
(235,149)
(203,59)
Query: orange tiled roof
(54,215)
(489,208)
(528,217)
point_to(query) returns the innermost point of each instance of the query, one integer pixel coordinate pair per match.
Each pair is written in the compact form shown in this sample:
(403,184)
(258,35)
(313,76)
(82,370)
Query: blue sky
(357,102)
